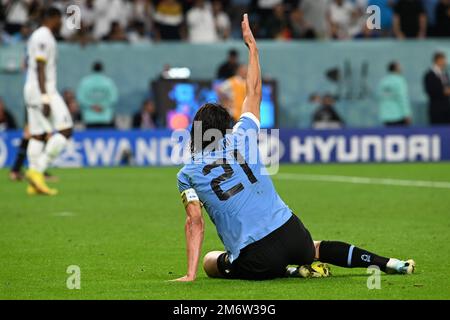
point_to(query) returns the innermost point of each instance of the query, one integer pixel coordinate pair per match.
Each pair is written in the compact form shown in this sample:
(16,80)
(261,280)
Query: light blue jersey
(235,189)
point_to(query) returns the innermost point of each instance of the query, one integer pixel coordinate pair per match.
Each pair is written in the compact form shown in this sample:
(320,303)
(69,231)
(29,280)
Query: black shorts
(290,244)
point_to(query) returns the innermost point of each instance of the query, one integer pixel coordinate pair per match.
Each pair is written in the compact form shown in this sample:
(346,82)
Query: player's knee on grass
(210,264)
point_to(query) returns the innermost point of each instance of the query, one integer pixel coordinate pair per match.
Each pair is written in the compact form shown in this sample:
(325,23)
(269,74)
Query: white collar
(437,70)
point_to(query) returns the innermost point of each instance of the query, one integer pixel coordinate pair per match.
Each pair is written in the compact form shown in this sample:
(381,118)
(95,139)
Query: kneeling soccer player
(261,235)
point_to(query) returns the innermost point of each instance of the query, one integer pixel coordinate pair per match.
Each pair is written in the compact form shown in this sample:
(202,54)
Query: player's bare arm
(41,80)
(254,84)
(194,229)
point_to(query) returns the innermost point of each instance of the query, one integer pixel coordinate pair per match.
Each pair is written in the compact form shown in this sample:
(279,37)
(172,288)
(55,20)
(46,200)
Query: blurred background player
(46,110)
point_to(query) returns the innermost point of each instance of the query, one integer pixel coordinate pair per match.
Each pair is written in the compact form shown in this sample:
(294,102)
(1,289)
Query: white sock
(53,148)
(35,150)
(392,263)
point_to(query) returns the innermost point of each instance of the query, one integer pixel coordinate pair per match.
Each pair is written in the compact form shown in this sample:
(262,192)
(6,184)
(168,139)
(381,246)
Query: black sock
(21,155)
(348,256)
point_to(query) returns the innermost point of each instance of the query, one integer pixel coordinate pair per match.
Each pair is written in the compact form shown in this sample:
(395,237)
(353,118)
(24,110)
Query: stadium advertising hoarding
(93,148)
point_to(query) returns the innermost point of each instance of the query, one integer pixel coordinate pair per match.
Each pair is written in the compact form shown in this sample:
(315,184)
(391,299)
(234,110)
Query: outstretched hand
(183,279)
(247,34)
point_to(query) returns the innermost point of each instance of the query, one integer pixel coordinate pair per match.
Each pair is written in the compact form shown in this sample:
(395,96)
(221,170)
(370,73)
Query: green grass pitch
(124,227)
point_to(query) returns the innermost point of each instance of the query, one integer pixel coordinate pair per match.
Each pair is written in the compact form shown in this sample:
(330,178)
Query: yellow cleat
(321,270)
(31,191)
(37,181)
(315,270)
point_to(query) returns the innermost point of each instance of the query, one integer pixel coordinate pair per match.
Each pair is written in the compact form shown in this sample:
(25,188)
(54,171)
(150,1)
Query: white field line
(364,180)
(64,214)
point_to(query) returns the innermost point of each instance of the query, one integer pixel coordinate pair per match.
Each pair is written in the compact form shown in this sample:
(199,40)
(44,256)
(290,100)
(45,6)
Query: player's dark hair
(392,67)
(97,66)
(51,12)
(233,53)
(209,116)
(438,55)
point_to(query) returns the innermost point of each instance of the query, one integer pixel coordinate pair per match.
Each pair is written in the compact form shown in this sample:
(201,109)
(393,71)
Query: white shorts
(38,124)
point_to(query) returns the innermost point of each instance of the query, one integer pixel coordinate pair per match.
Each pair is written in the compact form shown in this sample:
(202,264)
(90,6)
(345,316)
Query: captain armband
(189,195)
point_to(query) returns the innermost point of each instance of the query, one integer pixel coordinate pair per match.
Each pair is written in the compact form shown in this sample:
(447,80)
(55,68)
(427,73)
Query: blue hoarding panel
(94,148)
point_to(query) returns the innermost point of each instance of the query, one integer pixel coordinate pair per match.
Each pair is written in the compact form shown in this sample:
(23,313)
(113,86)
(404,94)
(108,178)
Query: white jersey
(41,47)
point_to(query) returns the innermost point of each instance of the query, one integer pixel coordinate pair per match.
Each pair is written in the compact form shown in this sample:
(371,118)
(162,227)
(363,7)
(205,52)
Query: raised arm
(254,85)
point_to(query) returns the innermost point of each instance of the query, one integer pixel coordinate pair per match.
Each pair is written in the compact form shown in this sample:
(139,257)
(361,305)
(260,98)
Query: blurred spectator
(393,99)
(228,68)
(236,9)
(87,7)
(277,26)
(200,23)
(168,19)
(7,121)
(314,14)
(140,21)
(109,13)
(74,109)
(142,11)
(299,27)
(221,20)
(437,87)
(17,15)
(21,36)
(344,19)
(97,95)
(83,36)
(232,92)
(165,71)
(443,18)
(302,115)
(138,33)
(410,19)
(116,33)
(430,11)
(326,116)
(264,10)
(146,117)
(314,100)
(102,21)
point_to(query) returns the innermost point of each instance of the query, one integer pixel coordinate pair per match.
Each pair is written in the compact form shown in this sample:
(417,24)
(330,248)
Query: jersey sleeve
(244,138)
(187,193)
(248,121)
(41,48)
(183,181)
